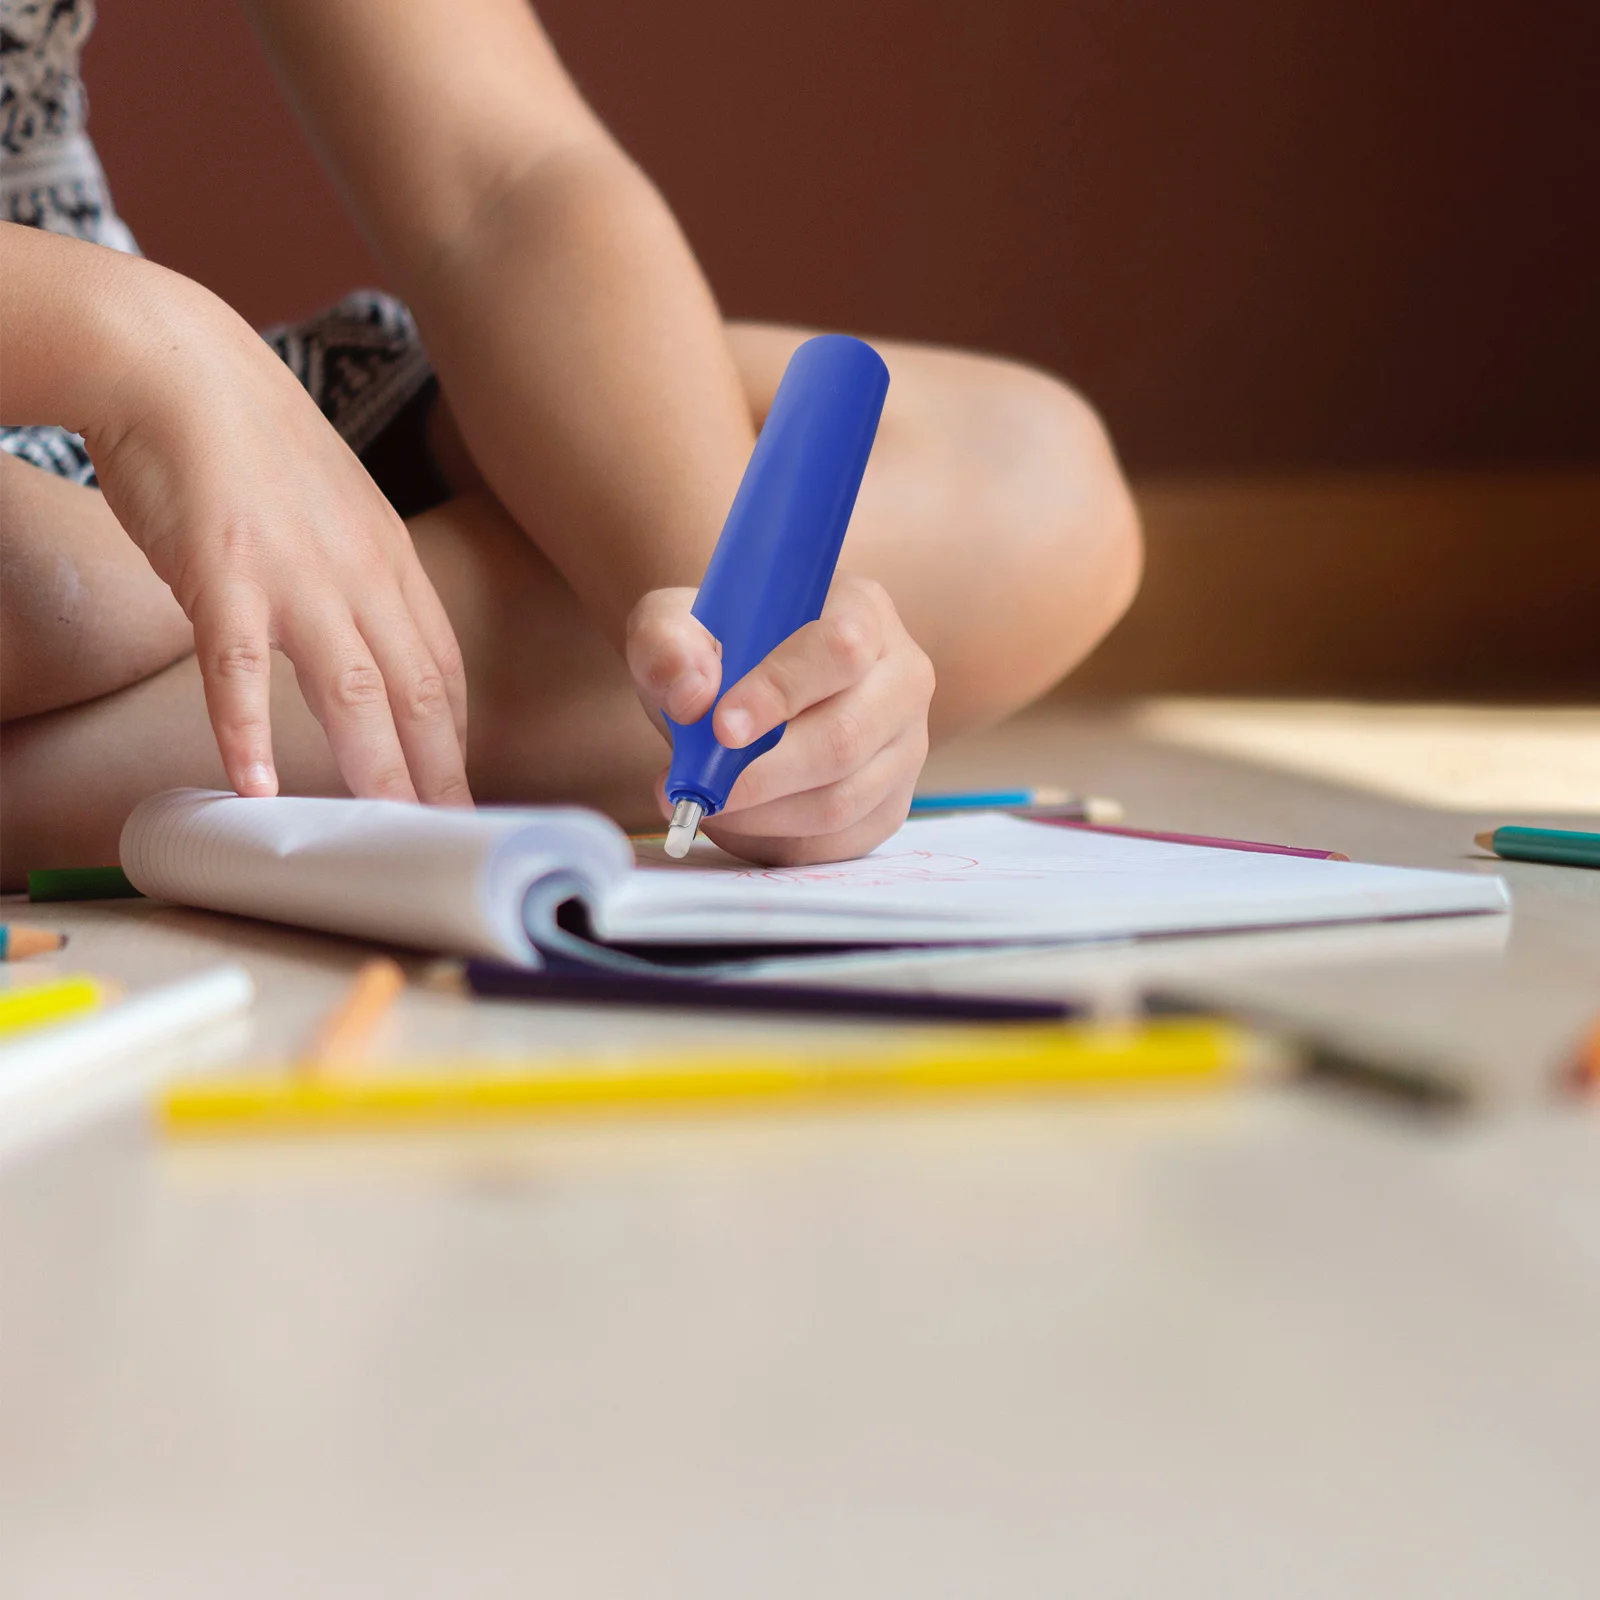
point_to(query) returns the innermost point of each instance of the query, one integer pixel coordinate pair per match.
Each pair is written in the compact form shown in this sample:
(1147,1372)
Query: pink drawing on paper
(888,872)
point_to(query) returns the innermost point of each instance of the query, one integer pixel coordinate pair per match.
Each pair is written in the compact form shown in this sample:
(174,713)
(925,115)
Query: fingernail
(736,725)
(258,775)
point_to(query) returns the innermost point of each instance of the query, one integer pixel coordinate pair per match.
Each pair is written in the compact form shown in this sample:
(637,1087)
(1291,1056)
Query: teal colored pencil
(989,800)
(1043,802)
(1559,847)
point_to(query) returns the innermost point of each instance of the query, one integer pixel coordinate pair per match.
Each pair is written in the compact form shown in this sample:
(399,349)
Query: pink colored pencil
(1199,839)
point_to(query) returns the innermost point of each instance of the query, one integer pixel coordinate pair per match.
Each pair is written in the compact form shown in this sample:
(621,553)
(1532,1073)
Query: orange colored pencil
(346,1033)
(16,944)
(1584,1072)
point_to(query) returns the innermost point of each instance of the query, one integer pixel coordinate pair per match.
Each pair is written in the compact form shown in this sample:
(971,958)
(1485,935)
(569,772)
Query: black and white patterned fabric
(50,176)
(361,360)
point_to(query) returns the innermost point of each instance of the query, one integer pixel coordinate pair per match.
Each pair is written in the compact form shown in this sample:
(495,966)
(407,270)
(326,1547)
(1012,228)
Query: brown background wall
(1261,234)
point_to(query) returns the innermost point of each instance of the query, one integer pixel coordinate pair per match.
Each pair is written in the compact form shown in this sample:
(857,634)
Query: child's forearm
(580,346)
(81,327)
(587,366)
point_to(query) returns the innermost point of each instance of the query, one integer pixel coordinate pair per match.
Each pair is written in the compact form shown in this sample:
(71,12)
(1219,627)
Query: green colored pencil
(81,883)
(1560,847)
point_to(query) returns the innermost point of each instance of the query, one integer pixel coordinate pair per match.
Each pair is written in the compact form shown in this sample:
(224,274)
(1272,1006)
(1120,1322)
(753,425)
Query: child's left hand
(854,689)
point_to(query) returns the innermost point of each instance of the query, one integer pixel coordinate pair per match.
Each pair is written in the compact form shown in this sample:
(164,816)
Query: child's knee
(1064,537)
(1086,542)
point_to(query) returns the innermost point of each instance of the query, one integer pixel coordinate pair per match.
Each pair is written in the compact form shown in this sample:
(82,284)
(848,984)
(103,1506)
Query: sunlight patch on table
(1452,758)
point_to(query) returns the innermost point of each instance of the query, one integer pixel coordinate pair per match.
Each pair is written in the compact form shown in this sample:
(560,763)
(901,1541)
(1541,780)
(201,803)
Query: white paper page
(435,879)
(992,877)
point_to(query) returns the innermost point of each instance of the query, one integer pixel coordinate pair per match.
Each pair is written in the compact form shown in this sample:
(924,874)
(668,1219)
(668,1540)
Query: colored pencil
(491,979)
(1162,1053)
(36,1005)
(17,944)
(52,1061)
(1584,1072)
(346,1033)
(81,883)
(1251,845)
(1557,847)
(1039,802)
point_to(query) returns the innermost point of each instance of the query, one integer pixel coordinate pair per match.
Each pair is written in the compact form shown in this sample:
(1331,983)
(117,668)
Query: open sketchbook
(564,884)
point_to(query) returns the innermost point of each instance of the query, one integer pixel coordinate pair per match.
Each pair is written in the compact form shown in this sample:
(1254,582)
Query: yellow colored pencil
(1177,1052)
(346,1034)
(34,1005)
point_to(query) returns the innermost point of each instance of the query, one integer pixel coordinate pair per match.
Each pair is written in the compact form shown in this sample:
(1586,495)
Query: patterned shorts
(363,364)
(361,361)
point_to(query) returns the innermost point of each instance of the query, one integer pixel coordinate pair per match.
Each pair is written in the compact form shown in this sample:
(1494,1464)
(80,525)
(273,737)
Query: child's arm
(248,506)
(581,349)
(586,363)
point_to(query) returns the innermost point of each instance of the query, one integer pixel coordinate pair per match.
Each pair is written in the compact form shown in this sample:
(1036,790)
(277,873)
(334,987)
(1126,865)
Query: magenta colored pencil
(1198,838)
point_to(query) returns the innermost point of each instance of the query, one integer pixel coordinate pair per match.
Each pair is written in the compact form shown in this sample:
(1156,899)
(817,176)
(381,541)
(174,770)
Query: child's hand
(854,690)
(272,536)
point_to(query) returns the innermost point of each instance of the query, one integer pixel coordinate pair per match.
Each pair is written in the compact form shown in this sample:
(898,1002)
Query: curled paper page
(454,881)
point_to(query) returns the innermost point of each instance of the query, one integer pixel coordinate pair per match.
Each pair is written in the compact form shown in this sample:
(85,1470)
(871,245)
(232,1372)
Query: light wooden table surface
(1279,1343)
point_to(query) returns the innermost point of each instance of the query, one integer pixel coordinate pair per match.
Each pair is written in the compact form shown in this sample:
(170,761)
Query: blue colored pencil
(1047,802)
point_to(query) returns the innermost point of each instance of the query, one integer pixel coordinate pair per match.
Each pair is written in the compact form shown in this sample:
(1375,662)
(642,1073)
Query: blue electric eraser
(770,572)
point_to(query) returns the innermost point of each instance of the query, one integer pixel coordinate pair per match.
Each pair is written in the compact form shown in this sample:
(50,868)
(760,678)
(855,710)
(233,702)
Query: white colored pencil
(60,1069)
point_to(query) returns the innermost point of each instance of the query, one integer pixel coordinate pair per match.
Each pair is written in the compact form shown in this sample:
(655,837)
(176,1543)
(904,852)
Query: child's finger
(348,695)
(812,664)
(231,640)
(788,850)
(833,809)
(420,705)
(829,741)
(674,660)
(439,638)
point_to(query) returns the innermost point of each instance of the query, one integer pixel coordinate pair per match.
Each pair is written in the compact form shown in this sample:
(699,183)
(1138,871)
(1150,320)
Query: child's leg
(81,613)
(553,714)
(993,512)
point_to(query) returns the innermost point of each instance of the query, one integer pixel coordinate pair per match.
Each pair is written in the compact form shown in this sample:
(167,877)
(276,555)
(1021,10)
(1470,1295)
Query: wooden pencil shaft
(17,944)
(346,1034)
(1584,1071)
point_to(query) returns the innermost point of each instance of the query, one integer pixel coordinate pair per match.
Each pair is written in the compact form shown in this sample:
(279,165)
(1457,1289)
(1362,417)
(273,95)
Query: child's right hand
(272,536)
(852,689)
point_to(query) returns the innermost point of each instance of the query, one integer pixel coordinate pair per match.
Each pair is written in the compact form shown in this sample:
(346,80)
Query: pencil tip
(1484,841)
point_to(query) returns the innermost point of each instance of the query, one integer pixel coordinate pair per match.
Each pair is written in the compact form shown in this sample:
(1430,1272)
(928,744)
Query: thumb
(675,662)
